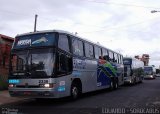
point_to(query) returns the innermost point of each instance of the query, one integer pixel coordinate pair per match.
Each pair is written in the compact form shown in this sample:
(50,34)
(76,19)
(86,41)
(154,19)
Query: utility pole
(35,23)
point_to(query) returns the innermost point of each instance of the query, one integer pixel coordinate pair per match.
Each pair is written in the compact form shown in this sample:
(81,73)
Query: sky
(125,26)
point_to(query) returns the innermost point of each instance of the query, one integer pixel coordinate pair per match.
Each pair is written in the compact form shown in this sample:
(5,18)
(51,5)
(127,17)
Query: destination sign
(33,40)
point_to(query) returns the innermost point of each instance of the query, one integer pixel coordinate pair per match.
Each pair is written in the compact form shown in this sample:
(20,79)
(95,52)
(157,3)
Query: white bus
(150,72)
(133,70)
(55,64)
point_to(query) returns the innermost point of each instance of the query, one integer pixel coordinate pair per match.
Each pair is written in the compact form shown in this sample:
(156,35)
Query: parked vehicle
(158,75)
(133,70)
(149,72)
(55,64)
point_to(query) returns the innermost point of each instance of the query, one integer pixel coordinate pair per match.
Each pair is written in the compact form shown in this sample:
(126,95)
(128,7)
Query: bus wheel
(116,84)
(111,85)
(74,92)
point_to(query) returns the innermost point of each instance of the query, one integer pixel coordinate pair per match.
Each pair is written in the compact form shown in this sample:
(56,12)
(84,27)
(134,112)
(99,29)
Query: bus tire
(140,80)
(116,84)
(75,91)
(111,85)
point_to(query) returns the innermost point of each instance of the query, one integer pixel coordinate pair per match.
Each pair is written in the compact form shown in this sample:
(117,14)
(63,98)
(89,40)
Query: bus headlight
(11,85)
(46,85)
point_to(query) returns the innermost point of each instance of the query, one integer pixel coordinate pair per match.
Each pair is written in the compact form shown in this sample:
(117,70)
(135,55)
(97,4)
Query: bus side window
(97,52)
(118,57)
(89,50)
(110,56)
(63,42)
(64,64)
(80,45)
(115,58)
(77,47)
(121,59)
(105,54)
(106,57)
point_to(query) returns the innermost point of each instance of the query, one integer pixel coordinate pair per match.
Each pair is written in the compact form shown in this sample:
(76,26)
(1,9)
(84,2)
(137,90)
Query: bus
(56,63)
(133,70)
(150,72)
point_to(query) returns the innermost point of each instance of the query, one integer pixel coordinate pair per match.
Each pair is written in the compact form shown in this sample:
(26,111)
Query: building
(137,57)
(145,58)
(5,48)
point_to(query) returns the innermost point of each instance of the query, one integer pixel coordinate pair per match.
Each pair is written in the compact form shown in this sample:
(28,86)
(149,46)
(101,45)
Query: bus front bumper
(127,80)
(149,77)
(33,93)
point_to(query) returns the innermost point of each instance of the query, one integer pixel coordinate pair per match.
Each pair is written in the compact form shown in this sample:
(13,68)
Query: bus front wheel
(75,92)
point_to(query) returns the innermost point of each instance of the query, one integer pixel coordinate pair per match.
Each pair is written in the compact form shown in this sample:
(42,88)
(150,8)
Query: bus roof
(64,32)
(127,57)
(133,59)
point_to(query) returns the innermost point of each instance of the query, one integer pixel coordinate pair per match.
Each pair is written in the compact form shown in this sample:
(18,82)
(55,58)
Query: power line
(123,4)
(121,27)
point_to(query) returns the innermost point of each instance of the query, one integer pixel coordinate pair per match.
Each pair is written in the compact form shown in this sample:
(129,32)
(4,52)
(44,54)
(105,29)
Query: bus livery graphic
(43,39)
(105,72)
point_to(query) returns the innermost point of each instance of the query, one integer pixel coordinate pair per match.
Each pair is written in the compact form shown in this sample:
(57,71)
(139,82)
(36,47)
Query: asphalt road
(140,98)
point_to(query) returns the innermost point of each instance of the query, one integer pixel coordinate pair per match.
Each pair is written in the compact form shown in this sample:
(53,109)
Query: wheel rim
(111,84)
(74,92)
(116,84)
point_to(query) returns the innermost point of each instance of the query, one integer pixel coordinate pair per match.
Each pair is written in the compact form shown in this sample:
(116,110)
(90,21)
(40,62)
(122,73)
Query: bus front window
(18,62)
(148,70)
(41,62)
(127,70)
(33,63)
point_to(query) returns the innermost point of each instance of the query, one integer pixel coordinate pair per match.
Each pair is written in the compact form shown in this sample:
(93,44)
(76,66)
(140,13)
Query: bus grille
(27,86)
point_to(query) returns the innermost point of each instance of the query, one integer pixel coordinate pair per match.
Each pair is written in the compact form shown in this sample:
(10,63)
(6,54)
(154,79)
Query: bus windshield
(127,61)
(127,70)
(33,63)
(148,70)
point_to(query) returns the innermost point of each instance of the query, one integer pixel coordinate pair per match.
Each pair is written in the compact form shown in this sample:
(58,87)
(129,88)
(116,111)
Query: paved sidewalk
(5,98)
